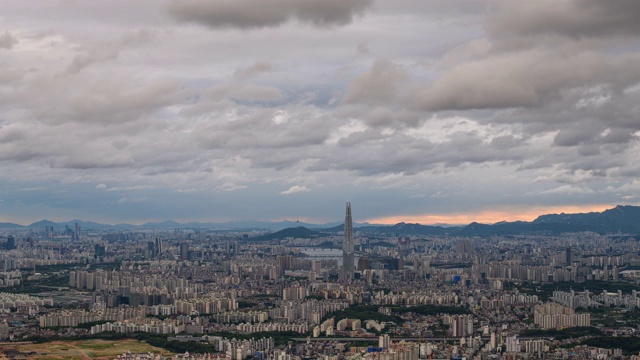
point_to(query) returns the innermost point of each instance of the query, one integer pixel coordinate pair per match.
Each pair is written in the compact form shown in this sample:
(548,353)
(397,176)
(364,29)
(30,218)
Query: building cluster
(150,325)
(586,299)
(555,316)
(241,316)
(23,303)
(75,317)
(128,286)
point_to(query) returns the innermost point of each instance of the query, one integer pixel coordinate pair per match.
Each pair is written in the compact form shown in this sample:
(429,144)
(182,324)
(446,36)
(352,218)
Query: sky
(428,111)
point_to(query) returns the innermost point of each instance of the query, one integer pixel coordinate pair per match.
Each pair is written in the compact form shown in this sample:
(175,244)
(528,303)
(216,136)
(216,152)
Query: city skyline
(418,111)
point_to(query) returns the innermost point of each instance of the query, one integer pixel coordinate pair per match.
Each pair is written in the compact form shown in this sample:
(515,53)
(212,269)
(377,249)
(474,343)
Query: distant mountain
(299,232)
(168,224)
(265,225)
(356,226)
(623,219)
(335,229)
(123,226)
(44,223)
(406,229)
(6,225)
(85,224)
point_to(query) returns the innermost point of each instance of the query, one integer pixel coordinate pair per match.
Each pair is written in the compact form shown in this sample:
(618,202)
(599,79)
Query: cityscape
(345,292)
(319,179)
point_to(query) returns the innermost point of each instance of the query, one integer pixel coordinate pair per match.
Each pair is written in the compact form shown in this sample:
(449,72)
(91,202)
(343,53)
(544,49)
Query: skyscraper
(348,262)
(158,247)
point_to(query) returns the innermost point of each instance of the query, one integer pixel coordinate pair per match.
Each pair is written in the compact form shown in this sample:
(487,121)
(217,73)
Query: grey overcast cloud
(434,111)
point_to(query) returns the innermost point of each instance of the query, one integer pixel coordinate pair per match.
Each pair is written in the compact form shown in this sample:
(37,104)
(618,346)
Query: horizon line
(455,219)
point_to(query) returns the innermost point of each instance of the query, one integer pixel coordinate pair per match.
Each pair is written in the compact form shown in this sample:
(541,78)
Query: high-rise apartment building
(184,251)
(11,243)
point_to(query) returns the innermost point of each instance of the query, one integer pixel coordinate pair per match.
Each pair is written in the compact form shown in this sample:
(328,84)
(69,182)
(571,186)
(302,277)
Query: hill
(407,229)
(45,223)
(625,219)
(7,225)
(299,232)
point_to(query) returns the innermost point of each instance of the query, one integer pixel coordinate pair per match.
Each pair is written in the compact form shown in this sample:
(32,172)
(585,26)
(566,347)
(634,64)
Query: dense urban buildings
(418,292)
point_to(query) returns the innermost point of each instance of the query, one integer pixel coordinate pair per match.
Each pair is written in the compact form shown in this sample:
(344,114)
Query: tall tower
(348,261)
(158,247)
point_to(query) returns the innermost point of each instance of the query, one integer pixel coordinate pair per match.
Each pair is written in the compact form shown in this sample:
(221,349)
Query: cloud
(257,68)
(574,19)
(191,190)
(254,132)
(295,189)
(568,190)
(230,187)
(109,50)
(253,14)
(241,91)
(377,85)
(577,134)
(525,79)
(102,99)
(126,200)
(179,109)
(98,55)
(7,40)
(386,117)
(130,188)
(85,162)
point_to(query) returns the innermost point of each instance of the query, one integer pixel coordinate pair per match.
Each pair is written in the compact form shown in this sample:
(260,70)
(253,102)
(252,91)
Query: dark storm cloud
(267,13)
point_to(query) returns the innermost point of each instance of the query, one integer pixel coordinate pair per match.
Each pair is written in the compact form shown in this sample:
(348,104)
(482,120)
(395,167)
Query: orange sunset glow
(490,216)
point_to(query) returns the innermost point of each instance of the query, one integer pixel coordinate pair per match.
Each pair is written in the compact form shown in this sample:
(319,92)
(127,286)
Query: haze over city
(416,111)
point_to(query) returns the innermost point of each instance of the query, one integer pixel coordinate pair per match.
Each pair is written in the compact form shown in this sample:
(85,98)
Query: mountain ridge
(622,218)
